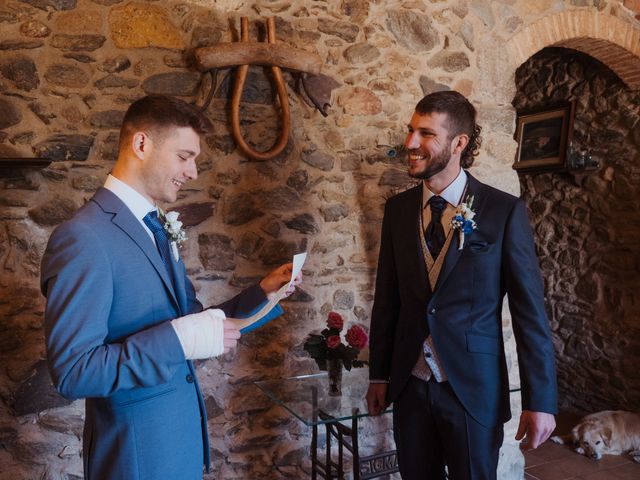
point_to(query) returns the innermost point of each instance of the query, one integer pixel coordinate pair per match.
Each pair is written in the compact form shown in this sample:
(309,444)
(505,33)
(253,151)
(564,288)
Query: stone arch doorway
(589,258)
(611,40)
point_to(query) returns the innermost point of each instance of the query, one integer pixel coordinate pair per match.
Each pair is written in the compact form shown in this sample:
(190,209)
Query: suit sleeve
(193,304)
(523,282)
(77,280)
(386,306)
(244,303)
(249,302)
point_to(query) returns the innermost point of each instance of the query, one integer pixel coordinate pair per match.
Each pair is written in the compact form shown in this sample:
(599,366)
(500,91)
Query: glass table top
(307,398)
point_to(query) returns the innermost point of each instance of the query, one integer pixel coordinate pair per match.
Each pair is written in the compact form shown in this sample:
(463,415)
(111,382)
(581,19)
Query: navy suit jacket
(109,340)
(464,312)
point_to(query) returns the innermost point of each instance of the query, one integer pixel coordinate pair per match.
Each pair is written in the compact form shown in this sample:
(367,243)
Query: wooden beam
(257,53)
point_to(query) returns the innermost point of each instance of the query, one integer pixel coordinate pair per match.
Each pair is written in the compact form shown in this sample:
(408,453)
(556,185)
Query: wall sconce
(580,159)
(392,151)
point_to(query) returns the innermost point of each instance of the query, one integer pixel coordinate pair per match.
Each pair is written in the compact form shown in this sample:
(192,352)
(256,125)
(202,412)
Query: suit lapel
(180,287)
(124,219)
(452,256)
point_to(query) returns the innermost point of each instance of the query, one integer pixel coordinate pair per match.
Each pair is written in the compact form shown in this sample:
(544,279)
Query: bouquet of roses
(328,345)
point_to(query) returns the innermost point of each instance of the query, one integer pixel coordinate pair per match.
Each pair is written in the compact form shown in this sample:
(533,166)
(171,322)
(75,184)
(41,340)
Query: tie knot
(151,220)
(437,204)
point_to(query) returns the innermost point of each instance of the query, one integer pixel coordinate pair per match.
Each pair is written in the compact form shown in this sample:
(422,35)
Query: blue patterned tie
(434,233)
(162,241)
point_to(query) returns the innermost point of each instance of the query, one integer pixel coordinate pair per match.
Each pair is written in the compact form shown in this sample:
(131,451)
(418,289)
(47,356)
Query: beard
(435,165)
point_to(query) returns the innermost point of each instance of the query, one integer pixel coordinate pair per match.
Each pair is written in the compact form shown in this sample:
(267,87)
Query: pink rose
(333,341)
(357,337)
(335,320)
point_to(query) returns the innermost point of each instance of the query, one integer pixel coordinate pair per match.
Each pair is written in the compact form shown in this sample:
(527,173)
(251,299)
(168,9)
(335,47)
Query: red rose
(333,341)
(357,337)
(335,321)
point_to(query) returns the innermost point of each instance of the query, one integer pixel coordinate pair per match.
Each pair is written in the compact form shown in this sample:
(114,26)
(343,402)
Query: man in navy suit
(451,248)
(122,322)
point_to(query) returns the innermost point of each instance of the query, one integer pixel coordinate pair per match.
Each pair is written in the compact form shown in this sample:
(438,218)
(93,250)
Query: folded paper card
(271,309)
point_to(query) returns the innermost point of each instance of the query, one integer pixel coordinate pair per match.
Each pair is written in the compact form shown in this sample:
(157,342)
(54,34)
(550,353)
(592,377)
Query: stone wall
(587,226)
(68,70)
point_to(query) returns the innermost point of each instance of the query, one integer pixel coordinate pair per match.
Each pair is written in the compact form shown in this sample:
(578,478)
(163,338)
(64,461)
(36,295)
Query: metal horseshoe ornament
(270,54)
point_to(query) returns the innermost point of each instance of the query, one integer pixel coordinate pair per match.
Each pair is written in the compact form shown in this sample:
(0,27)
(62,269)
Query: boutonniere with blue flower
(174,230)
(462,222)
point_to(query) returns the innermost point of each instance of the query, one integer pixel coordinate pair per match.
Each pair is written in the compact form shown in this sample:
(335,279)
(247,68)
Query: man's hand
(231,335)
(377,398)
(276,279)
(537,426)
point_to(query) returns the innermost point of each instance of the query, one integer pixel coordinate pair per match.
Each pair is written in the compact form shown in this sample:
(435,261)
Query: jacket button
(432,311)
(190,378)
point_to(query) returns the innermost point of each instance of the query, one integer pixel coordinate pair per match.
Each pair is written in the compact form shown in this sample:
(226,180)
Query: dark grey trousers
(432,429)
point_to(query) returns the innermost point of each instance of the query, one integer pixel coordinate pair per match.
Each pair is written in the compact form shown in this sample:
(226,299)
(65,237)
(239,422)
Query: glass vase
(334,372)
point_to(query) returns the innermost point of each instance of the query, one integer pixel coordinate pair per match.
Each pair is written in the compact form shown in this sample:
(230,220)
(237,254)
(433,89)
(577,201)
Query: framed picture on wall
(543,138)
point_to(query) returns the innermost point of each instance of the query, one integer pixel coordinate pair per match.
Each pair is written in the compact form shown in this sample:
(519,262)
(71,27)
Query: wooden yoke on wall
(271,54)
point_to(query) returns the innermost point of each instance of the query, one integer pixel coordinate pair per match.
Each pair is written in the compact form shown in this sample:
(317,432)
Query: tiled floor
(559,462)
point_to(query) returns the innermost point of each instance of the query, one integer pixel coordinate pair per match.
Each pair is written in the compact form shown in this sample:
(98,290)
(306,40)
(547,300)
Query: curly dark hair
(461,119)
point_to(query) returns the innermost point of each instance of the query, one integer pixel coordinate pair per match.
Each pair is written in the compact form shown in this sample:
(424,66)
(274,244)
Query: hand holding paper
(291,287)
(274,281)
(277,285)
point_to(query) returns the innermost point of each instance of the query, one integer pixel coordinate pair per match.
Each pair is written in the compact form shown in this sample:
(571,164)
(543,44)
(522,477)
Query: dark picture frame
(543,138)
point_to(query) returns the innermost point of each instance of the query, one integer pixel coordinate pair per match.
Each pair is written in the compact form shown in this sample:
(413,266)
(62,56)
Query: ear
(139,144)
(575,435)
(459,143)
(606,435)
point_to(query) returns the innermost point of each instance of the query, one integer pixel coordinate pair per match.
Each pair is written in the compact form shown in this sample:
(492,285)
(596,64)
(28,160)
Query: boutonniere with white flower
(174,230)
(462,222)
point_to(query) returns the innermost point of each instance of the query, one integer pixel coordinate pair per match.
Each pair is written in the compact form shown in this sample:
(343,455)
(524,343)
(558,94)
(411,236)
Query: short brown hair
(158,112)
(461,118)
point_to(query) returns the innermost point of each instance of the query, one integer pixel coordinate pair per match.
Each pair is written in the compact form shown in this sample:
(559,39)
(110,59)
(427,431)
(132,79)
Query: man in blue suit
(122,322)
(451,248)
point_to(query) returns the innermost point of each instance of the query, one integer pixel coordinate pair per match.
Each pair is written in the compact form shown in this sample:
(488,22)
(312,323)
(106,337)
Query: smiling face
(431,150)
(167,162)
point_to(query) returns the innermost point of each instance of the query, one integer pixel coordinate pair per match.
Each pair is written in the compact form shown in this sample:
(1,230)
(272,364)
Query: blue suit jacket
(109,340)
(464,312)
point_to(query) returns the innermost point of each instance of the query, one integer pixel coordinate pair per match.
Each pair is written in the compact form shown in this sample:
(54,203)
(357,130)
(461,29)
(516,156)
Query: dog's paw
(635,455)
(557,439)
(579,450)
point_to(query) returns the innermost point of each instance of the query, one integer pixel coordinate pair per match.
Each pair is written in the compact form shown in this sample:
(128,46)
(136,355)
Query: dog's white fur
(611,432)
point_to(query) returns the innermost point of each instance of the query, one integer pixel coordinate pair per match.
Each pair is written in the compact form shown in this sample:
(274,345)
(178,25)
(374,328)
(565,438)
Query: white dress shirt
(452,194)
